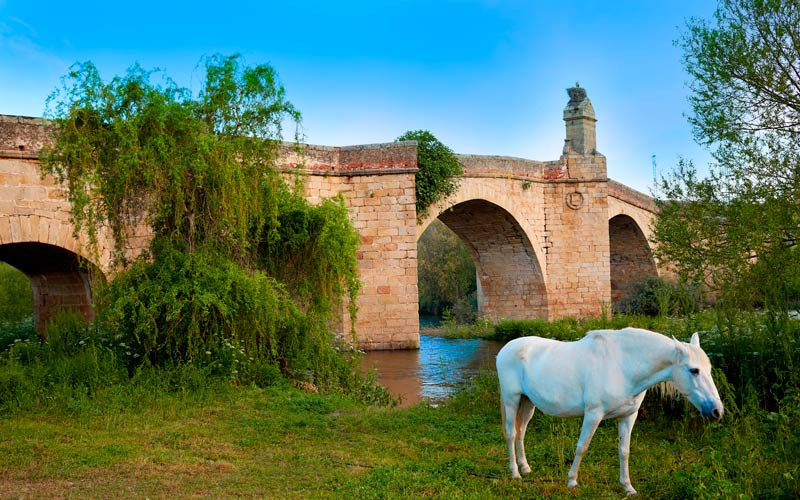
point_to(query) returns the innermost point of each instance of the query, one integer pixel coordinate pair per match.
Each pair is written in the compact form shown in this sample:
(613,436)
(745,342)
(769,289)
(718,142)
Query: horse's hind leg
(509,406)
(524,415)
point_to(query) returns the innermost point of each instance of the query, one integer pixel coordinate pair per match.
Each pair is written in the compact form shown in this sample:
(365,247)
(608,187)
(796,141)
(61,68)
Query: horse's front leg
(591,420)
(625,425)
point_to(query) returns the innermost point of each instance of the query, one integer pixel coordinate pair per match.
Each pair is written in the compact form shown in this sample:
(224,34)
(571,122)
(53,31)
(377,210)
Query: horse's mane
(630,337)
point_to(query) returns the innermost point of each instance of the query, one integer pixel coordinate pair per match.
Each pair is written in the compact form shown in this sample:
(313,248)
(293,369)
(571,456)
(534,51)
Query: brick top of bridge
(509,166)
(631,196)
(23,134)
(390,157)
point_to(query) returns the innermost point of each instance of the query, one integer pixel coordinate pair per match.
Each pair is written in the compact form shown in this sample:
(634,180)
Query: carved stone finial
(576,94)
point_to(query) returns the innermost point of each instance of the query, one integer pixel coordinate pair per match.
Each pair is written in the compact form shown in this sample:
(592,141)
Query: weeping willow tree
(237,258)
(197,170)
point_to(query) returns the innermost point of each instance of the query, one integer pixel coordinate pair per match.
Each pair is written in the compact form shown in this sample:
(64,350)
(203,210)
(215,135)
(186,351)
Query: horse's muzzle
(713,412)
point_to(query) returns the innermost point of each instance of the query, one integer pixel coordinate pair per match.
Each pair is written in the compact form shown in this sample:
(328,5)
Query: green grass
(224,441)
(75,424)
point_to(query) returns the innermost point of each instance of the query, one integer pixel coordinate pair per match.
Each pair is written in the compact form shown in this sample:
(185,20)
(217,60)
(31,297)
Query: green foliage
(179,306)
(759,355)
(740,247)
(439,170)
(481,328)
(243,276)
(446,274)
(16,295)
(16,332)
(658,297)
(575,328)
(313,253)
(746,107)
(193,308)
(196,170)
(508,329)
(72,363)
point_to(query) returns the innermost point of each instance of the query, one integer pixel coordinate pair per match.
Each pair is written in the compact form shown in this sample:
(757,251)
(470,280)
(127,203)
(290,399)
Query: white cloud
(28,27)
(18,43)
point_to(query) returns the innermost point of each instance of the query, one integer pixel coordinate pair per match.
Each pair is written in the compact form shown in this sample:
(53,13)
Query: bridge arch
(44,249)
(510,277)
(631,255)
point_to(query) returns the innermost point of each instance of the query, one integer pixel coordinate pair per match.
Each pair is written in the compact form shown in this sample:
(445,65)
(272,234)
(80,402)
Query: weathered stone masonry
(549,239)
(377,184)
(539,232)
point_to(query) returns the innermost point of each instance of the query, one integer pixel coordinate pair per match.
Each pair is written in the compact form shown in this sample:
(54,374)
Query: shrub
(198,309)
(759,354)
(658,297)
(11,333)
(508,329)
(72,363)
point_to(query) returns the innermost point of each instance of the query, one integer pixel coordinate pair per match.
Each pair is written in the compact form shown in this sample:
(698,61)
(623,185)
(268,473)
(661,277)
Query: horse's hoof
(516,476)
(572,483)
(525,469)
(630,491)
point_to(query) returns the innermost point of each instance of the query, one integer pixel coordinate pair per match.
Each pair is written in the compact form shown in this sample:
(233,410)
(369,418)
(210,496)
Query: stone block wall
(377,184)
(36,237)
(577,248)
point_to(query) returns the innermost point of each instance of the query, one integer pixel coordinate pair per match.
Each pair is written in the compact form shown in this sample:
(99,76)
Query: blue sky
(486,77)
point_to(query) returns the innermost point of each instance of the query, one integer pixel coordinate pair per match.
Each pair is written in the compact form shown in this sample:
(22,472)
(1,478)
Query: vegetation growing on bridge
(241,267)
(439,170)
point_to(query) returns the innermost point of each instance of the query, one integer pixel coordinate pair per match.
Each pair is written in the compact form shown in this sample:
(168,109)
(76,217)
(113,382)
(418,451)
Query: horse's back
(547,371)
(522,351)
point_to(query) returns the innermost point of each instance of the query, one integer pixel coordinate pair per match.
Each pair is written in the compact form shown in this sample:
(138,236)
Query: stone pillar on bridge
(576,219)
(580,119)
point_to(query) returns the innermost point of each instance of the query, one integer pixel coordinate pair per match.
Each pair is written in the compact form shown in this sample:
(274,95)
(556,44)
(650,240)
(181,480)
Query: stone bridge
(549,238)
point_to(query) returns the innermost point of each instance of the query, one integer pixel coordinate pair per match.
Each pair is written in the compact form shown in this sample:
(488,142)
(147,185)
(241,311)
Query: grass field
(74,423)
(222,441)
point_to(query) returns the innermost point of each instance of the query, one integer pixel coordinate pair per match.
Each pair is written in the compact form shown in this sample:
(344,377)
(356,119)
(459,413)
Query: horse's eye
(694,371)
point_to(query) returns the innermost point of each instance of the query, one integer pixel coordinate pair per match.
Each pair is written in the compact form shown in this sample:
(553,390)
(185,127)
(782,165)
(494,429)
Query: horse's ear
(695,339)
(679,348)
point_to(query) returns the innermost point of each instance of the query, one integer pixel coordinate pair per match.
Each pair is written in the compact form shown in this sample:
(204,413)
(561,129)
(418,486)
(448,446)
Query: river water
(433,372)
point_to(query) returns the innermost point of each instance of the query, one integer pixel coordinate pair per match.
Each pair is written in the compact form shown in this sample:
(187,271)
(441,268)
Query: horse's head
(691,374)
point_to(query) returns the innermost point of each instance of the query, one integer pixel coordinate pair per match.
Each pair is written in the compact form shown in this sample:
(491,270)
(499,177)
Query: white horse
(603,375)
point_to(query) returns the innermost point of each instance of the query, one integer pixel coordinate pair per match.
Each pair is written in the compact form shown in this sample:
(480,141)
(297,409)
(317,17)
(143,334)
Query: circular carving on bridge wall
(574,200)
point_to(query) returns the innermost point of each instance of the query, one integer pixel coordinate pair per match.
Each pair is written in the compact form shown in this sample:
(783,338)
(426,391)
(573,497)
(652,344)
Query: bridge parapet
(512,167)
(369,159)
(23,134)
(631,196)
